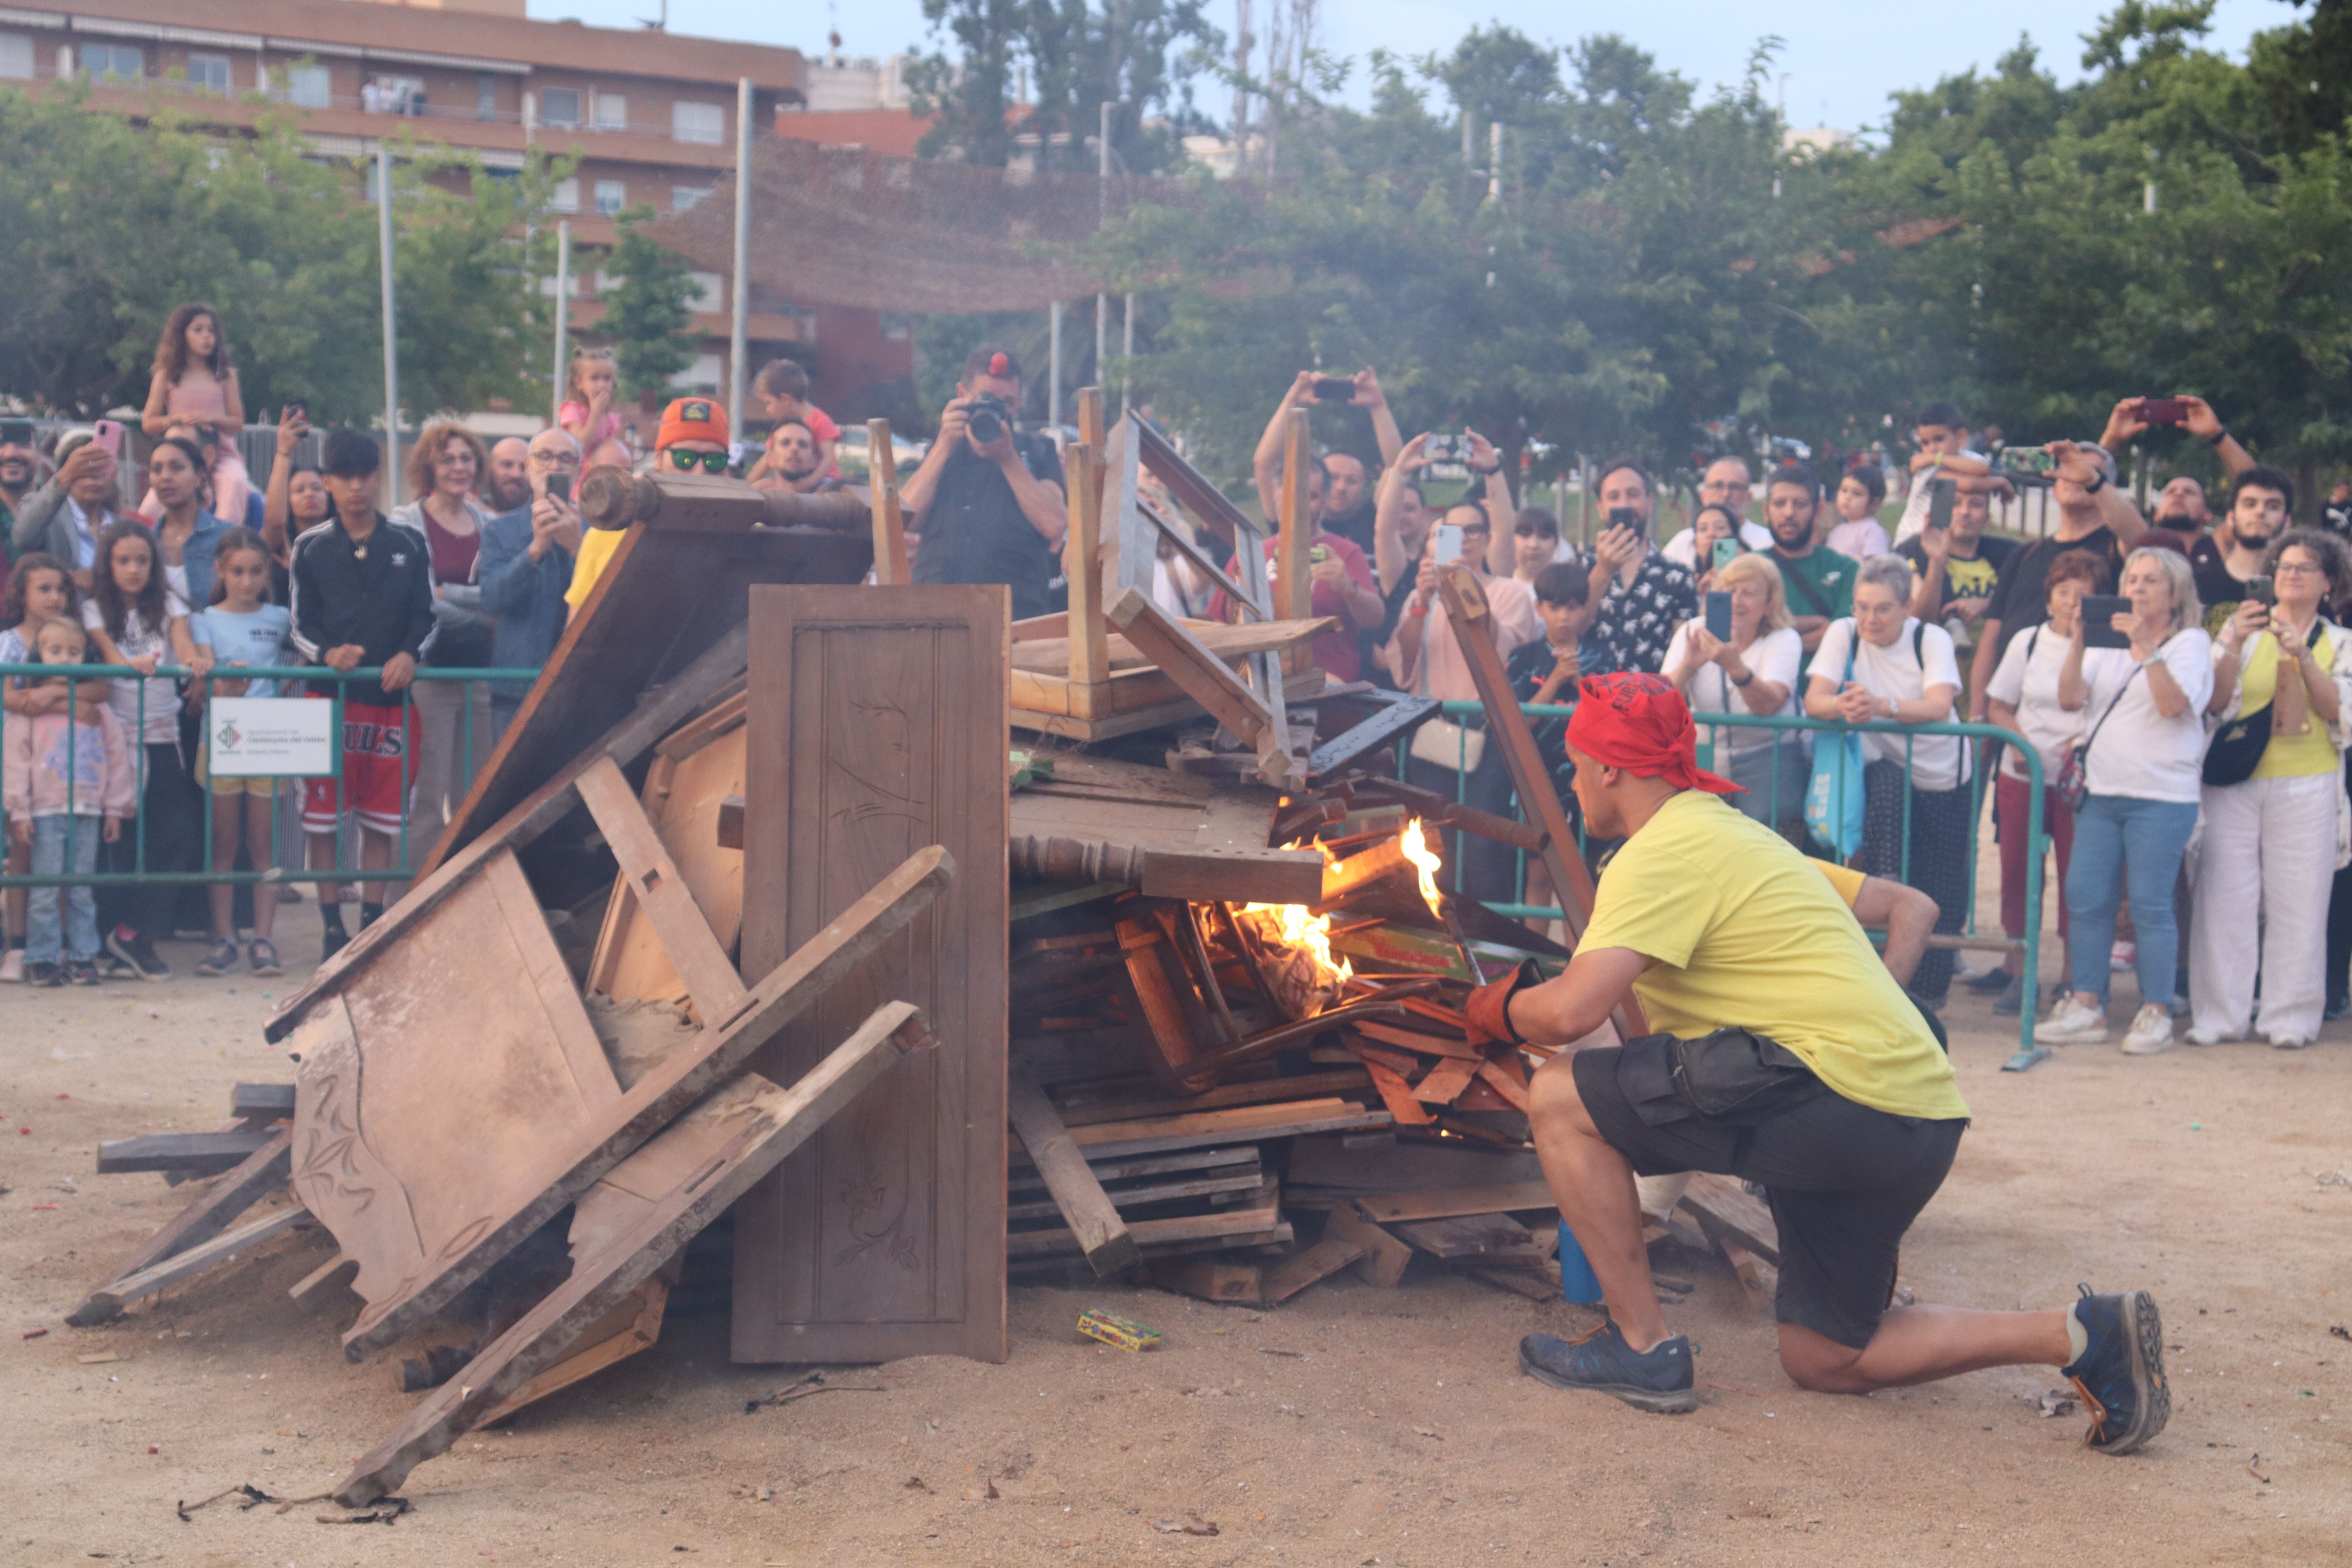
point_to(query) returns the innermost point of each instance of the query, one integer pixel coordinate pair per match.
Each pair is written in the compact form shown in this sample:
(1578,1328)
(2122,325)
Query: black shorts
(1844,1181)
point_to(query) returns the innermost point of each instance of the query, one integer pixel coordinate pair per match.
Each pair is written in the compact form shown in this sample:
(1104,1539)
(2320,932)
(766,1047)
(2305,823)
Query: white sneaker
(2201,1035)
(2282,1041)
(2071,1023)
(12,968)
(2150,1033)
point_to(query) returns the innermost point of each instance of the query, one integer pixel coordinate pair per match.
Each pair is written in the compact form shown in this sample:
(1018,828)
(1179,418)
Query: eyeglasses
(2296,569)
(685,462)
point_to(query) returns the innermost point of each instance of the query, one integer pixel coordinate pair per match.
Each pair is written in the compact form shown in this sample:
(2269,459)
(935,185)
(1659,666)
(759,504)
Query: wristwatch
(1746,680)
(2098,482)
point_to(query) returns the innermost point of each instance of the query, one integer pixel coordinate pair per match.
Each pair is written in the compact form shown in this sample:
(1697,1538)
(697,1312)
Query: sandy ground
(1352,1426)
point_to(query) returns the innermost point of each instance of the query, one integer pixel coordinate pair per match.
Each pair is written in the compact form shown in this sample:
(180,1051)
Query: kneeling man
(1789,1056)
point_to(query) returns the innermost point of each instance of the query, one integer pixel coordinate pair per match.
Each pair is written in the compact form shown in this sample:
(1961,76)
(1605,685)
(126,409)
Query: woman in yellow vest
(2263,878)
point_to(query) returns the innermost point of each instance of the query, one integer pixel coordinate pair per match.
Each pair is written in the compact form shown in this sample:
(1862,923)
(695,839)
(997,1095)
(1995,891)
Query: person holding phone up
(1346,509)
(2273,794)
(1644,595)
(65,517)
(525,566)
(1743,656)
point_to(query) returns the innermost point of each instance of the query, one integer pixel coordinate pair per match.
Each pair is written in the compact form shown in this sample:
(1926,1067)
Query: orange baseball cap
(692,419)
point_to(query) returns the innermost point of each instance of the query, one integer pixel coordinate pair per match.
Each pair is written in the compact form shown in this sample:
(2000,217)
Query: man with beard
(508,484)
(2262,504)
(1346,509)
(795,460)
(1820,580)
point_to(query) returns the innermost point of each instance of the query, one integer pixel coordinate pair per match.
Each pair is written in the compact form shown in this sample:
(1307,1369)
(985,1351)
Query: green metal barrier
(2037,837)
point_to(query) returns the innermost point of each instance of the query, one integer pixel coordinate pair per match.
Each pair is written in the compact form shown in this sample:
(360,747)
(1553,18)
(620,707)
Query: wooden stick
(614,498)
(890,568)
(1292,1275)
(113,1297)
(1093,1218)
(1081,559)
(212,1211)
(1451,1202)
(1295,589)
(198,1154)
(654,881)
(1203,677)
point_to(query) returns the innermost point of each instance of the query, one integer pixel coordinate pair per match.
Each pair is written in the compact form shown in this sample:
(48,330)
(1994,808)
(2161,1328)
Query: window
(697,122)
(309,86)
(559,105)
(898,327)
(702,375)
(209,73)
(119,62)
(681,198)
(566,198)
(612,195)
(711,296)
(486,95)
(17,56)
(612,111)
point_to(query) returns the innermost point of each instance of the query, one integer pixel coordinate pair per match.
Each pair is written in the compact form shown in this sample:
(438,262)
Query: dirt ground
(1352,1426)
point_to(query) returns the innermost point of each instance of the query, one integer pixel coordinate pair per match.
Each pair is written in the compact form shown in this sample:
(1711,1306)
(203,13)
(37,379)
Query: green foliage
(467,266)
(648,315)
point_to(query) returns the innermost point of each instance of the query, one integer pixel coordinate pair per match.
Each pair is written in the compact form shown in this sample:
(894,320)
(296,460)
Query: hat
(692,419)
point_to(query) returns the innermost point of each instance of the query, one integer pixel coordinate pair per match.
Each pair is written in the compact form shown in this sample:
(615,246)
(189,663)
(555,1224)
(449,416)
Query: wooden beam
(1093,1219)
(109,1299)
(275,1101)
(1134,537)
(654,881)
(212,1211)
(712,503)
(1385,1258)
(1320,1261)
(1191,488)
(761,1123)
(1180,655)
(890,568)
(1293,585)
(1229,1222)
(1452,1202)
(1727,1209)
(1200,558)
(200,1153)
(1082,565)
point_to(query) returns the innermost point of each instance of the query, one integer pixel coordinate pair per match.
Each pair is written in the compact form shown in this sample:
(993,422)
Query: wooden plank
(890,568)
(1209,1280)
(1397,715)
(1164,995)
(1476,1237)
(876,723)
(1724,1207)
(1444,1083)
(660,890)
(1208,845)
(428,1202)
(1082,1108)
(1226,1123)
(1294,589)
(1346,1117)
(1496,1076)
(1226,1222)
(202,1153)
(275,1101)
(1415,1040)
(723,716)
(729,1141)
(632,1326)
(212,1211)
(1022,1173)
(539,963)
(1191,488)
(1088,657)
(1397,1095)
(1185,660)
(1142,1195)
(109,1299)
(1759,1281)
(1385,1257)
(1093,1218)
(1229,644)
(1449,1202)
(1320,1261)
(318,1276)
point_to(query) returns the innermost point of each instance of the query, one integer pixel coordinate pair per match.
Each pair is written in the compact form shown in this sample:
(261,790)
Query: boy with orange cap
(692,441)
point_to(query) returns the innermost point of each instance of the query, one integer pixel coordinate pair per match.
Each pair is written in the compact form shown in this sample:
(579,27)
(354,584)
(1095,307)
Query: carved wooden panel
(877,725)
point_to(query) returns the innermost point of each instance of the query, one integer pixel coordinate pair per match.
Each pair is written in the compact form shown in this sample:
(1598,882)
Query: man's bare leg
(1923,1344)
(1593,1185)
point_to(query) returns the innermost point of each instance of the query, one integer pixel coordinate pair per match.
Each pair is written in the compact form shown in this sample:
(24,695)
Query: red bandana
(1641,723)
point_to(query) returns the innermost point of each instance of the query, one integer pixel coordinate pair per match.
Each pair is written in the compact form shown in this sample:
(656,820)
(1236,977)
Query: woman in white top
(1882,664)
(2263,880)
(2144,739)
(2022,695)
(1756,671)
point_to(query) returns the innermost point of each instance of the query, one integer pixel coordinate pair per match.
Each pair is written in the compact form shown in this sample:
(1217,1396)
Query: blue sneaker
(2121,1375)
(1657,1379)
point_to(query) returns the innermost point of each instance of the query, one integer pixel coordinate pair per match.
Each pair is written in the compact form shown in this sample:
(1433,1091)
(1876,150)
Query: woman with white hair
(1756,671)
(2143,752)
(1882,663)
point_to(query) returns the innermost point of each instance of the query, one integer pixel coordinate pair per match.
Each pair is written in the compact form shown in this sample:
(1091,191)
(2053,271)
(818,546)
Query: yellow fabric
(1746,934)
(2287,756)
(596,547)
(1844,878)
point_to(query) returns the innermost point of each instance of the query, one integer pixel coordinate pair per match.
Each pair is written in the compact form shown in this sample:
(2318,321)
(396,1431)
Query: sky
(1842,58)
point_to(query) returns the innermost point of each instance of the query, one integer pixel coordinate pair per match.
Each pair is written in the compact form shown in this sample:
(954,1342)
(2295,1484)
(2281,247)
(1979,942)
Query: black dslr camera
(986,416)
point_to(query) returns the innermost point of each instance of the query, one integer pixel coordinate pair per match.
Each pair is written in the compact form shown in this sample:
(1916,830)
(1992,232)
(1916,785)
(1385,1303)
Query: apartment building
(650,115)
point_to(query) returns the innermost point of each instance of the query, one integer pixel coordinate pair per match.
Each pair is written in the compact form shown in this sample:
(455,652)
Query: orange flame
(1416,848)
(1292,928)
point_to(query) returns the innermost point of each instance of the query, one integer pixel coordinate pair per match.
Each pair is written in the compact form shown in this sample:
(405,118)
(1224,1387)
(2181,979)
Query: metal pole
(1126,350)
(391,342)
(1102,215)
(563,308)
(736,347)
(1053,364)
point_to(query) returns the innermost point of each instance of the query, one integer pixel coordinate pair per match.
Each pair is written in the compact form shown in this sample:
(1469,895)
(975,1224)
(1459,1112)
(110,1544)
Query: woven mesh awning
(843,226)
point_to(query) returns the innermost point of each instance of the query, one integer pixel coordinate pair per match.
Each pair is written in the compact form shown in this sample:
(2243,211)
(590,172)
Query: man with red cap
(692,439)
(1788,1056)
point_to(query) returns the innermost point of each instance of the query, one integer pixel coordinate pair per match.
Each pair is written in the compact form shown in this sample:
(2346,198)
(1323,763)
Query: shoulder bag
(2237,747)
(2074,774)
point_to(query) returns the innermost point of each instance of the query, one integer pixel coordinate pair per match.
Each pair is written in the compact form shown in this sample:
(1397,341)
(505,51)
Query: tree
(467,262)
(648,313)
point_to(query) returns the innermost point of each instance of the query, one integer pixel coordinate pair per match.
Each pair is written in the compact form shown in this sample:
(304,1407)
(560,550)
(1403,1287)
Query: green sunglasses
(712,462)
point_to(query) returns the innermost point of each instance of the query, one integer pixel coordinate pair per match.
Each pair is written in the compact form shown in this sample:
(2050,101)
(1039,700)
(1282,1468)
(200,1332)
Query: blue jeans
(44,942)
(2142,840)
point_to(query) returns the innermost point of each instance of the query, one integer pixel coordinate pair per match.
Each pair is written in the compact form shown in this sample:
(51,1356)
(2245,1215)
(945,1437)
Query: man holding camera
(987,499)
(1644,595)
(525,566)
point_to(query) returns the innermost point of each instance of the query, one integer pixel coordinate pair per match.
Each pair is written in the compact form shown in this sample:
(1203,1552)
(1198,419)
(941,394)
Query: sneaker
(81,971)
(12,968)
(221,959)
(112,968)
(1657,1379)
(139,954)
(43,973)
(2071,1023)
(332,942)
(2284,1041)
(2201,1035)
(1990,980)
(2120,1375)
(2150,1033)
(264,957)
(2124,957)
(2011,999)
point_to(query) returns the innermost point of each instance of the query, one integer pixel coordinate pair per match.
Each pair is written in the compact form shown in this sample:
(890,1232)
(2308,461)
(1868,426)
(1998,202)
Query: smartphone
(2027,462)
(1939,502)
(1624,517)
(559,486)
(1439,449)
(15,432)
(1719,616)
(1728,550)
(2098,609)
(109,437)
(1449,543)
(2262,591)
(2163,410)
(1333,389)
(297,408)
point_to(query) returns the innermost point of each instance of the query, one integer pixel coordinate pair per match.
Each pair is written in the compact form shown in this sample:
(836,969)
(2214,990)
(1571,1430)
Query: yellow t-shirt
(1746,934)
(2287,756)
(596,547)
(1844,878)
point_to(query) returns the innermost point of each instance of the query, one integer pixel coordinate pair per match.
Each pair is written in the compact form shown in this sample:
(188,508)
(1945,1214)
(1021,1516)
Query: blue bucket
(1578,1283)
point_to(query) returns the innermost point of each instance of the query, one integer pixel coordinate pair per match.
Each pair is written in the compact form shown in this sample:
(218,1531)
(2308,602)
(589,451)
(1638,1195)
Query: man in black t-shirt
(2262,507)
(1955,569)
(993,511)
(2093,514)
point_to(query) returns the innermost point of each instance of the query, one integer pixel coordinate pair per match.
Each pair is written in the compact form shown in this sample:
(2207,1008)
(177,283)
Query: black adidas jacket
(377,594)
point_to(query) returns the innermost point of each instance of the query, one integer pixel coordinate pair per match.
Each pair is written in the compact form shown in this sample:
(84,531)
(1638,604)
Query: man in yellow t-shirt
(1789,1056)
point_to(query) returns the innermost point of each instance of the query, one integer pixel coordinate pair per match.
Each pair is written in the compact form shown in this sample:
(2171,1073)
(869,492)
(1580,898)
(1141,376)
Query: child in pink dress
(194,384)
(590,383)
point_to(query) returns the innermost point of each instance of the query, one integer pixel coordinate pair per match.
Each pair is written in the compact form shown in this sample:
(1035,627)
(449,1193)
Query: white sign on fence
(271,737)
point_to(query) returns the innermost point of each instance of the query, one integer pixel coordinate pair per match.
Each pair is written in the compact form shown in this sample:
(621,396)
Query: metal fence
(1969,937)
